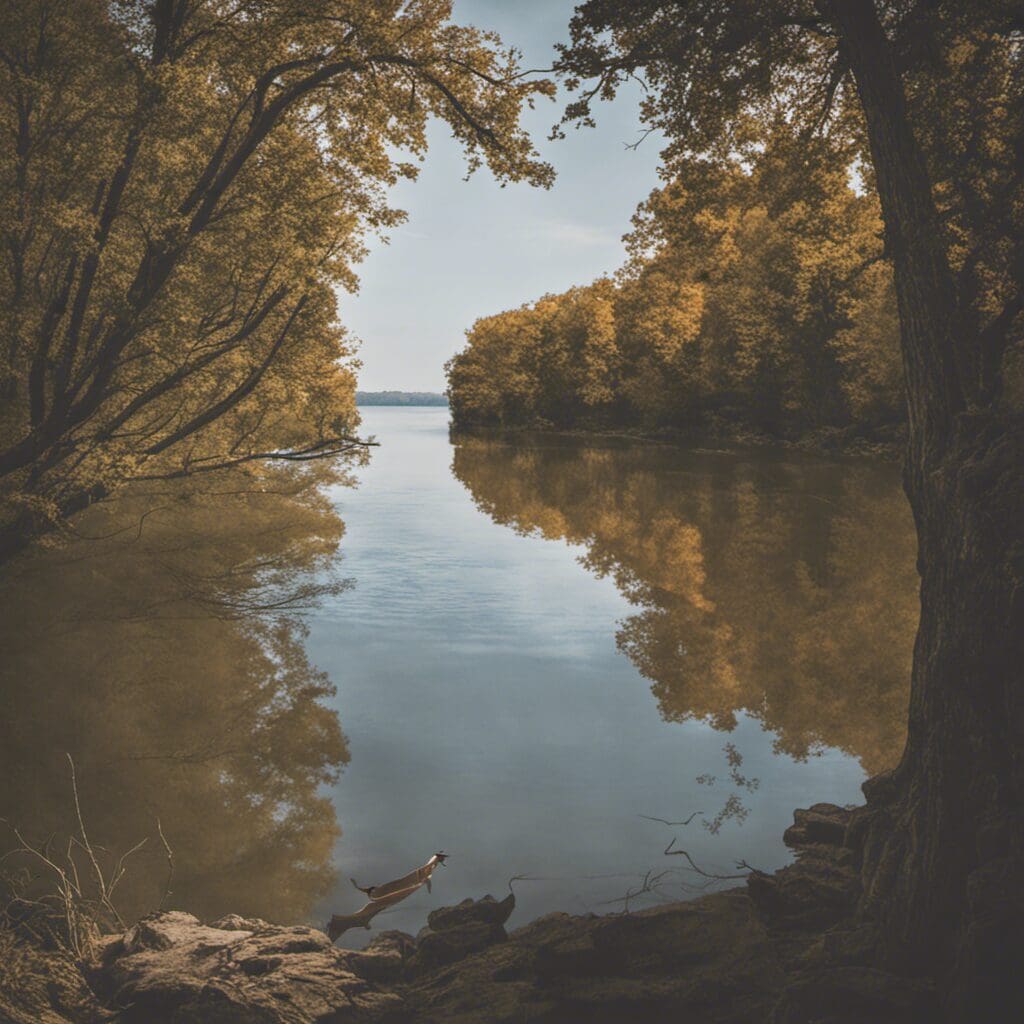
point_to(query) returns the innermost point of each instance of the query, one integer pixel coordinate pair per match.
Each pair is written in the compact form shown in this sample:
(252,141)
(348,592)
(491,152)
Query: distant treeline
(755,296)
(400,398)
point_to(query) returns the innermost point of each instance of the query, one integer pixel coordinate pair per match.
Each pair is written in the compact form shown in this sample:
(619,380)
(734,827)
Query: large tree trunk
(943,864)
(943,857)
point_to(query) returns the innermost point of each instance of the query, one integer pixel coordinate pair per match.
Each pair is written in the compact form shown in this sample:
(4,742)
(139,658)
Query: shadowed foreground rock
(39,986)
(785,949)
(709,960)
(453,933)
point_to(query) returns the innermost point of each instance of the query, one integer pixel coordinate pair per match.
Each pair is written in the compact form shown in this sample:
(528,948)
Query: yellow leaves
(220,176)
(752,594)
(524,362)
(669,315)
(745,289)
(869,349)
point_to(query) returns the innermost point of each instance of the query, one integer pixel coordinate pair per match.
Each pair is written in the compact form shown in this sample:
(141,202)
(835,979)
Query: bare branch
(664,822)
(669,852)
(170,864)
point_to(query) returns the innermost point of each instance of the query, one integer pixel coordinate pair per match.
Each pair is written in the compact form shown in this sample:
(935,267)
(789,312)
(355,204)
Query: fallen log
(383,896)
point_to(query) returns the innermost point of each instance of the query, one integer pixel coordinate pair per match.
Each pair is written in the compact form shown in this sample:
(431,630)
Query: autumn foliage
(185,186)
(754,293)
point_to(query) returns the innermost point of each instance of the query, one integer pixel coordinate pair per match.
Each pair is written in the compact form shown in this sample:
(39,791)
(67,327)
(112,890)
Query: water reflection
(489,710)
(163,652)
(783,588)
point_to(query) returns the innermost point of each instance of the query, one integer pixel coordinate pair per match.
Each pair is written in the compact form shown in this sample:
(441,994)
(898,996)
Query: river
(534,646)
(516,604)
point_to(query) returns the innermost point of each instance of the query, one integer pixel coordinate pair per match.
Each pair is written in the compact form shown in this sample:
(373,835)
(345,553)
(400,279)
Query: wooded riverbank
(783,948)
(882,443)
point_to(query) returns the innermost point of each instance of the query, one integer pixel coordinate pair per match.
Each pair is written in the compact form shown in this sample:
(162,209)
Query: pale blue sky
(470,249)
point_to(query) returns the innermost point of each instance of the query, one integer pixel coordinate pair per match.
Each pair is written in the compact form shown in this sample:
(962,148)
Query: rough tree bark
(943,855)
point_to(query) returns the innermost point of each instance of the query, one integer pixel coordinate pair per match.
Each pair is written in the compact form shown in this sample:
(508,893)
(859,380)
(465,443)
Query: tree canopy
(755,293)
(184,185)
(716,71)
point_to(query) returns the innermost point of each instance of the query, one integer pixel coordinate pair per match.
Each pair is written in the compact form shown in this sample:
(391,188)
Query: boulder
(384,959)
(823,824)
(170,968)
(237,923)
(487,910)
(708,960)
(453,933)
(436,949)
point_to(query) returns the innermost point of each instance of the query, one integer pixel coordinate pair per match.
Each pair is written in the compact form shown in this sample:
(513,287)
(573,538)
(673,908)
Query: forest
(400,398)
(756,296)
(833,254)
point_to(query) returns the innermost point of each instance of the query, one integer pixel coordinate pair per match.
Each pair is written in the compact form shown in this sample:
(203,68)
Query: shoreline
(786,947)
(883,445)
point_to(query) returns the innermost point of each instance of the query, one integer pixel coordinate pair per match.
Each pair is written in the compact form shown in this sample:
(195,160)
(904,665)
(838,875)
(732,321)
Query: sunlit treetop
(188,184)
(717,71)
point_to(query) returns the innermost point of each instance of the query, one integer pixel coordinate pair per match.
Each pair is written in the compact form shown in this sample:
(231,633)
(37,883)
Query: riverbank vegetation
(184,186)
(755,297)
(400,398)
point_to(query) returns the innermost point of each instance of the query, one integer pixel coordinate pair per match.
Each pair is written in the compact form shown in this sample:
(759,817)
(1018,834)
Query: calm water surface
(548,641)
(545,645)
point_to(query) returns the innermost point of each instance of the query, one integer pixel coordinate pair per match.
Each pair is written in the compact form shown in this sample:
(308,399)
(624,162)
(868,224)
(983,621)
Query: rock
(435,949)
(175,970)
(453,933)
(488,910)
(727,958)
(709,960)
(236,923)
(816,892)
(853,995)
(384,959)
(43,986)
(172,928)
(823,824)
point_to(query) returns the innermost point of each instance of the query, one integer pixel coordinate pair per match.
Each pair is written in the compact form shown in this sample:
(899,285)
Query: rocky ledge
(785,948)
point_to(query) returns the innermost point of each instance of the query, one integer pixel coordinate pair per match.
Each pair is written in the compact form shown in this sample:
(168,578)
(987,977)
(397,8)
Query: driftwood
(383,896)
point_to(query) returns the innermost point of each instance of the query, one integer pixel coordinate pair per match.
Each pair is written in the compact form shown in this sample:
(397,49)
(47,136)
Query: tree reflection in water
(783,587)
(163,649)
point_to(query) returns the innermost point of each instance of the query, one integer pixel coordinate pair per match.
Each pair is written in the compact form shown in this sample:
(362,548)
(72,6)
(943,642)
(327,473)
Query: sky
(470,249)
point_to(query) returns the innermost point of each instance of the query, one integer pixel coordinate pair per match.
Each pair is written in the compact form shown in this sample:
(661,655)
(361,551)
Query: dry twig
(670,823)
(669,852)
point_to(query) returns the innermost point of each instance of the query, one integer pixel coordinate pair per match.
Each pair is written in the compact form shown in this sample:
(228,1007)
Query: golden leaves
(187,196)
(756,286)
